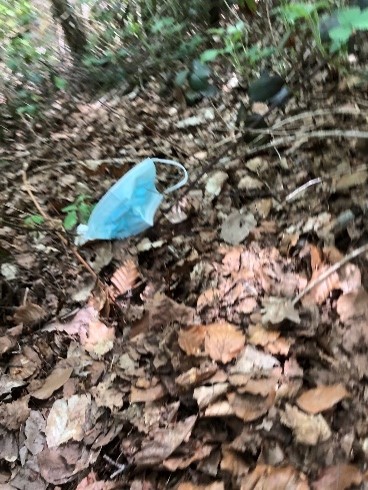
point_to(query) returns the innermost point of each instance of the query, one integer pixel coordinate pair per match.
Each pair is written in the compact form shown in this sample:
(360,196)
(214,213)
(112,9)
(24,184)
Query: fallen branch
(329,271)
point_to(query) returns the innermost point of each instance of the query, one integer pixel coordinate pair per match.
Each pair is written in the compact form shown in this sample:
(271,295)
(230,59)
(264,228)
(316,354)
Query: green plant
(233,40)
(77,212)
(299,15)
(34,220)
(349,21)
(195,81)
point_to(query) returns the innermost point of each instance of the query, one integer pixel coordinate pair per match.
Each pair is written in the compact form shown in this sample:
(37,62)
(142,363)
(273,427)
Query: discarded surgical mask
(129,207)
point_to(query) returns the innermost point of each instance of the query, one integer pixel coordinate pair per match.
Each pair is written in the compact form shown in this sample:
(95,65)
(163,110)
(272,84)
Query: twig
(329,271)
(335,133)
(121,467)
(317,113)
(58,234)
(292,195)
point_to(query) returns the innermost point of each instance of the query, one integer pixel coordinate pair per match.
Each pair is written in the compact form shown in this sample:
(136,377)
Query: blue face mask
(129,207)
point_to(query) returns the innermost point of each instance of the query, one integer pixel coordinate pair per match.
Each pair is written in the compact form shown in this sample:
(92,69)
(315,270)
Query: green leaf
(362,22)
(34,220)
(84,212)
(181,78)
(251,4)
(210,55)
(340,34)
(198,84)
(70,220)
(71,207)
(200,70)
(349,16)
(60,83)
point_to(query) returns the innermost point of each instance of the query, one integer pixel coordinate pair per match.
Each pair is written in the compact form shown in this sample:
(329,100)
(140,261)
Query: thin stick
(292,195)
(121,467)
(58,234)
(329,271)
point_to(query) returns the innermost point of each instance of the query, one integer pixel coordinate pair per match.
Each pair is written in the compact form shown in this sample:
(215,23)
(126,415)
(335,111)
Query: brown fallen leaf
(249,407)
(266,477)
(233,463)
(149,395)
(29,313)
(208,394)
(223,341)
(253,361)
(353,306)
(69,419)
(99,339)
(192,454)
(276,310)
(13,415)
(191,340)
(190,486)
(339,477)
(125,278)
(194,376)
(53,382)
(221,408)
(90,482)
(164,442)
(321,398)
(307,429)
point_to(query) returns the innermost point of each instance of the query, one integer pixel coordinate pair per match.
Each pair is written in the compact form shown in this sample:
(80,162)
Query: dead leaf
(164,442)
(68,419)
(90,482)
(250,407)
(233,463)
(221,408)
(215,182)
(35,432)
(163,310)
(223,341)
(208,394)
(276,310)
(53,382)
(106,395)
(307,429)
(237,227)
(192,486)
(58,465)
(191,454)
(13,415)
(149,395)
(194,376)
(353,306)
(29,313)
(266,477)
(339,477)
(99,339)
(321,291)
(321,398)
(125,278)
(191,340)
(351,180)
(253,360)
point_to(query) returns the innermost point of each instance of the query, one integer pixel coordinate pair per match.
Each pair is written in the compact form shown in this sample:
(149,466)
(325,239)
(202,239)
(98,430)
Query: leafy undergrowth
(202,358)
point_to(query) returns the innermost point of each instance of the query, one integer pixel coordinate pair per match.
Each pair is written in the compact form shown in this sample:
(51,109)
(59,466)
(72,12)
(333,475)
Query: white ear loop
(183,181)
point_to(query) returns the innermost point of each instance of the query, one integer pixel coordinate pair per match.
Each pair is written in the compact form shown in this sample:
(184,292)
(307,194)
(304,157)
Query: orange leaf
(321,398)
(223,341)
(191,340)
(125,277)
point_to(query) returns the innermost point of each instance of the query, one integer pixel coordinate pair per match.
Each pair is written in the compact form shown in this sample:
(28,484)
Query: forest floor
(197,355)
